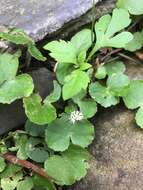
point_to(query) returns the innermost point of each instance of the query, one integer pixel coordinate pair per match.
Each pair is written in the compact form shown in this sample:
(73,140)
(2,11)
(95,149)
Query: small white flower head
(76,116)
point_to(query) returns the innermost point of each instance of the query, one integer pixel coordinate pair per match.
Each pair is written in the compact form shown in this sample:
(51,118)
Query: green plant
(56,139)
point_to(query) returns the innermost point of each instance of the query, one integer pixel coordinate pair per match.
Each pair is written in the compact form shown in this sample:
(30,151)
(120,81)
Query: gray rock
(43,81)
(13,116)
(117,150)
(70,28)
(39,18)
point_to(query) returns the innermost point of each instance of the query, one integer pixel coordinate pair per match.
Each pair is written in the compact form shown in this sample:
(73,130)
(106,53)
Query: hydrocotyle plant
(54,141)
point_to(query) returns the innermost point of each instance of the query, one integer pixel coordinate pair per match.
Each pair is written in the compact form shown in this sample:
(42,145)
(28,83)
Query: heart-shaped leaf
(38,113)
(60,132)
(102,95)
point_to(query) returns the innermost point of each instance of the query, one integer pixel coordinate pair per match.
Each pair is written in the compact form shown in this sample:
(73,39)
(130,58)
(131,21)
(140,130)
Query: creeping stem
(26,164)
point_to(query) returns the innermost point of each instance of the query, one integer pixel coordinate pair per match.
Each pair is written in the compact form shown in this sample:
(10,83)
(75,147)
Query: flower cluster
(76,116)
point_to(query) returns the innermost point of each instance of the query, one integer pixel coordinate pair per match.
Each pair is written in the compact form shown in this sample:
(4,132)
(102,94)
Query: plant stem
(93,20)
(28,59)
(128,58)
(93,51)
(26,164)
(109,54)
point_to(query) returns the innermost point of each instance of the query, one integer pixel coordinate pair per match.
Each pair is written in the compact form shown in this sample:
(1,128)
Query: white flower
(76,116)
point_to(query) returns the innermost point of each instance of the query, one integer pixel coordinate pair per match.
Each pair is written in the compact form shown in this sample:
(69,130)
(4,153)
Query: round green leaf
(38,113)
(35,150)
(61,131)
(19,87)
(134,98)
(69,166)
(102,95)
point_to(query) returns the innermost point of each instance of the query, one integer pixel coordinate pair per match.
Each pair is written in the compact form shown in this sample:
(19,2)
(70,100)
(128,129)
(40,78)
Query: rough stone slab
(13,116)
(39,18)
(117,162)
(70,28)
